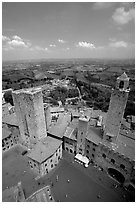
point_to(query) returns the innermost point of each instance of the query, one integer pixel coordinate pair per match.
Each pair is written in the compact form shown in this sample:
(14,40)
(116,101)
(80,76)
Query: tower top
(123,82)
(123,77)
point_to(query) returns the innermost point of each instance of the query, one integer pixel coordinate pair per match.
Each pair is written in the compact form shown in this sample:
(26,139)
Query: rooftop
(10,119)
(28,90)
(41,195)
(5,133)
(44,149)
(58,128)
(56,109)
(94,135)
(123,77)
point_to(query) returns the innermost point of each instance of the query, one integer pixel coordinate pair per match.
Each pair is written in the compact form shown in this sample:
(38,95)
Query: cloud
(15,37)
(102,5)
(61,41)
(122,17)
(38,48)
(52,45)
(85,45)
(14,42)
(17,43)
(5,38)
(118,44)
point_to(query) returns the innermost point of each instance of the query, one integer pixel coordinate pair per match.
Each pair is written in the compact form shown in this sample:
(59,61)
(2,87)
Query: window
(58,157)
(94,144)
(71,151)
(45,164)
(67,148)
(81,133)
(122,166)
(34,164)
(103,155)
(93,155)
(112,161)
(121,84)
(51,165)
(87,151)
(94,149)
(51,160)
(88,146)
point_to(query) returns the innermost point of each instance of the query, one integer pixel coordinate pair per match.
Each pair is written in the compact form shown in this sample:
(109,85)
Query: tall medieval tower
(116,110)
(30,115)
(82,133)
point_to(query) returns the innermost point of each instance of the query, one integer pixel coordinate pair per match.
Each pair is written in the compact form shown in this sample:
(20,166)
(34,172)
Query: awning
(81,158)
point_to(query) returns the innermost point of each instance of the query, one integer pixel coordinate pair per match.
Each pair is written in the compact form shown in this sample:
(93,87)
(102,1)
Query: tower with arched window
(82,133)
(116,110)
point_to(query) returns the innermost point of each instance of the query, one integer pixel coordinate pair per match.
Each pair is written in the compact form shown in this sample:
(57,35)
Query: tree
(8,97)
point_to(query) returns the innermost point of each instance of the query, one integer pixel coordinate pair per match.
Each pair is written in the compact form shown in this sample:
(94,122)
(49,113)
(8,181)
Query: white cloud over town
(121,16)
(61,41)
(85,45)
(5,38)
(102,5)
(52,45)
(118,44)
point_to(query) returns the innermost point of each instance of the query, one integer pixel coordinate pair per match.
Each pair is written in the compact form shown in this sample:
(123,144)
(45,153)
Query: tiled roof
(56,109)
(10,119)
(41,195)
(58,128)
(123,76)
(44,149)
(5,133)
(94,135)
(68,132)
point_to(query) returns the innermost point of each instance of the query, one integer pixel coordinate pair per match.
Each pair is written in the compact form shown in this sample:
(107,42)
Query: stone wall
(90,150)
(108,158)
(46,166)
(82,133)
(70,145)
(30,113)
(115,113)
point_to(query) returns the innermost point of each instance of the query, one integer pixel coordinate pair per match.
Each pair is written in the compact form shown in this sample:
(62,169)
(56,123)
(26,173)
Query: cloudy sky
(68,30)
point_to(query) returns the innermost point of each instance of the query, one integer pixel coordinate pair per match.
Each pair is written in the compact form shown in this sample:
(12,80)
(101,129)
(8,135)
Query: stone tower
(116,110)
(82,133)
(30,115)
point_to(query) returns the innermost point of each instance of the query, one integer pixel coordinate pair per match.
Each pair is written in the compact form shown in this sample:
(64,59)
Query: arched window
(121,84)
(122,166)
(112,161)
(103,155)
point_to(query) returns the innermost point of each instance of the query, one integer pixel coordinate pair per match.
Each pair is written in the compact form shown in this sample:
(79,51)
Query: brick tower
(116,110)
(82,133)
(30,114)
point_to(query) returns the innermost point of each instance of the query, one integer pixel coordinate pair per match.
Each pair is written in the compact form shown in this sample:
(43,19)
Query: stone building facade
(45,156)
(116,110)
(82,132)
(30,114)
(9,139)
(105,145)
